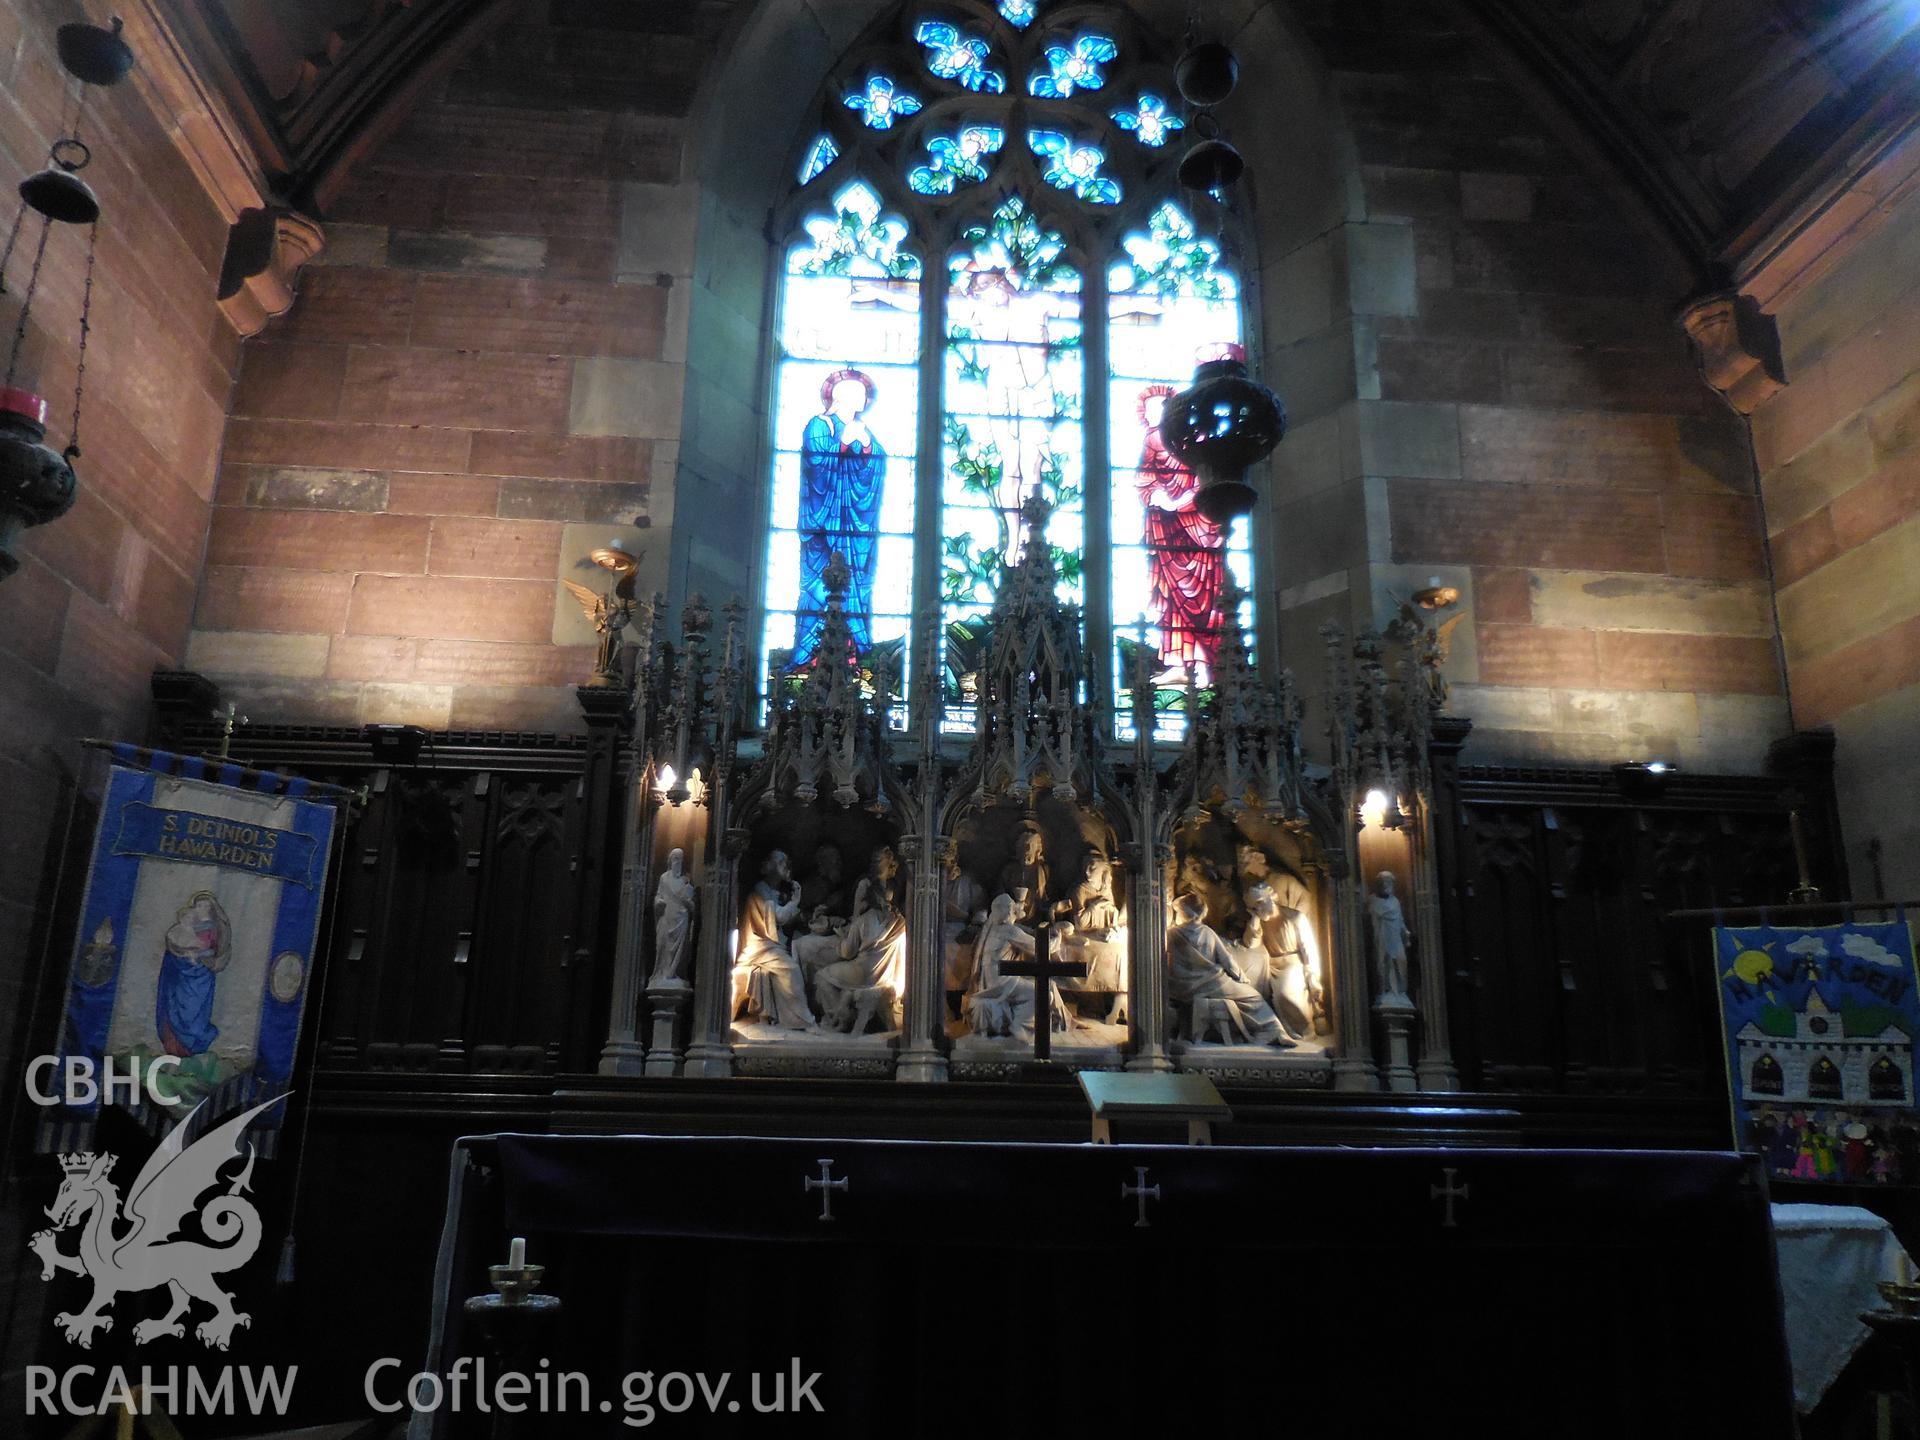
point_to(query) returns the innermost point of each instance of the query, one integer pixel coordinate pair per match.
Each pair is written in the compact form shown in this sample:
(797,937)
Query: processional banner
(1820,1024)
(196,940)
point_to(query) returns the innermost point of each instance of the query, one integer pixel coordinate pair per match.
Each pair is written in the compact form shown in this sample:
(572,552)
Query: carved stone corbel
(265,250)
(1738,346)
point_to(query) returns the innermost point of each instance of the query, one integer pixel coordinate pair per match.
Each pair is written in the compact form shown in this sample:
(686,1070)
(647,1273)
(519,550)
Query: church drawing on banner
(1827,1060)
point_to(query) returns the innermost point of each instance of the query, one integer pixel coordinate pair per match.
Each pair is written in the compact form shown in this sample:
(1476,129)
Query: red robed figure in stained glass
(1184,549)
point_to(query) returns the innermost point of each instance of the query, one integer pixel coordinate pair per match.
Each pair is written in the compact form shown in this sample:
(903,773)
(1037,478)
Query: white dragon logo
(150,1254)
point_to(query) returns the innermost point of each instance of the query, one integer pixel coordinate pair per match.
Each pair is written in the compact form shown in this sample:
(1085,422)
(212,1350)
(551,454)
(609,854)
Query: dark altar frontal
(1011,1289)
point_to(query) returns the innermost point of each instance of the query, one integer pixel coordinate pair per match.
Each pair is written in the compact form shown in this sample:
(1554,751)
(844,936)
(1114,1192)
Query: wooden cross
(1043,968)
(826,1187)
(1449,1192)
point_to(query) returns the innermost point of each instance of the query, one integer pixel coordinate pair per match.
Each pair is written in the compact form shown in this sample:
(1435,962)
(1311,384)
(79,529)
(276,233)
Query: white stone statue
(1095,936)
(674,900)
(1202,973)
(819,943)
(767,980)
(1283,959)
(1004,1004)
(1390,936)
(964,911)
(870,975)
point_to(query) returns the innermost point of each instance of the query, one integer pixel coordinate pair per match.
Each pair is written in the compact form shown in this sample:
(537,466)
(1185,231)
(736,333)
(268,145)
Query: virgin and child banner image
(1820,1024)
(196,938)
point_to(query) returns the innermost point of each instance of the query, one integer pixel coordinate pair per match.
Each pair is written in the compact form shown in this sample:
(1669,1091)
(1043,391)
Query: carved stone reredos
(1033,724)
(1243,746)
(826,731)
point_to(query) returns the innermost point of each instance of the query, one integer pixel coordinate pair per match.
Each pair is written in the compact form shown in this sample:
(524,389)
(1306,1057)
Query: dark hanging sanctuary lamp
(37,482)
(1225,422)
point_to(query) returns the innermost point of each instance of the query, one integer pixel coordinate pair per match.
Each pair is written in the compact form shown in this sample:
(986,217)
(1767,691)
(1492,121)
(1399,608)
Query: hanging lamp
(37,482)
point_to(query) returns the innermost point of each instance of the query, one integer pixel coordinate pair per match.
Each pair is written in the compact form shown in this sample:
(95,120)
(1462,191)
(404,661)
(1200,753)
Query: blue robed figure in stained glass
(842,469)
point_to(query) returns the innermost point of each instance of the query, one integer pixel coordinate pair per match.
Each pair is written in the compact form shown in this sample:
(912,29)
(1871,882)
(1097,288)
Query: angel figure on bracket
(609,612)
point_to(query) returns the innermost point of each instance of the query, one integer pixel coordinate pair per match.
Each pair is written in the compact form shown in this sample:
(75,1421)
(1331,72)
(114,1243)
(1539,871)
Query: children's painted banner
(1820,1025)
(196,937)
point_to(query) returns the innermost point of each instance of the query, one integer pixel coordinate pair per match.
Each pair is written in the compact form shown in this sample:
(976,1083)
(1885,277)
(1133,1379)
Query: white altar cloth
(1830,1257)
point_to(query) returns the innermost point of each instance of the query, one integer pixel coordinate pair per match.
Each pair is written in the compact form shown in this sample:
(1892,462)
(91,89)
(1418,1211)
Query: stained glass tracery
(851,475)
(1149,121)
(1073,167)
(880,103)
(959,159)
(960,57)
(1079,66)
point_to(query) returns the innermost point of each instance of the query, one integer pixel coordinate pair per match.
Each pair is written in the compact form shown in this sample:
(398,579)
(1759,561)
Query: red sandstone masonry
(318,540)
(288,601)
(1536,655)
(1723,664)
(449,609)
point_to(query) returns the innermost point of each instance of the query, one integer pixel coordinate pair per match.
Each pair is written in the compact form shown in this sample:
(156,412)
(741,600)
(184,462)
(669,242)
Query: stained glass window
(1078,66)
(846,424)
(1011,425)
(880,103)
(1171,305)
(1067,166)
(822,153)
(954,160)
(959,57)
(909,448)
(1149,121)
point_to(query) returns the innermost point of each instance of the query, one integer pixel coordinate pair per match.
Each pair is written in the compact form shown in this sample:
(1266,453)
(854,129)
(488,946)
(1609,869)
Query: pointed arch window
(991,283)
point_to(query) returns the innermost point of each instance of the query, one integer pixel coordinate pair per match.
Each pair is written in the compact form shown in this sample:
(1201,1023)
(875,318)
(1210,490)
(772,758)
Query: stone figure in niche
(1200,879)
(768,983)
(674,899)
(819,943)
(842,469)
(825,885)
(1027,872)
(1285,967)
(1092,933)
(1004,1004)
(1187,565)
(880,885)
(1388,922)
(964,911)
(866,981)
(1204,974)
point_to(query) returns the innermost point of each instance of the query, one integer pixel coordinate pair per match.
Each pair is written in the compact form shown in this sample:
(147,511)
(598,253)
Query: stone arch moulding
(1303,180)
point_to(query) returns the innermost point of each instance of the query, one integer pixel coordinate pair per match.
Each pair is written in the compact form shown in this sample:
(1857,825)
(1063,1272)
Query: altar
(1063,1290)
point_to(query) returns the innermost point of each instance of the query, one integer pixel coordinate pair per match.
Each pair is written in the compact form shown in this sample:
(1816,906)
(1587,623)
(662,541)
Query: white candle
(1903,1268)
(517,1253)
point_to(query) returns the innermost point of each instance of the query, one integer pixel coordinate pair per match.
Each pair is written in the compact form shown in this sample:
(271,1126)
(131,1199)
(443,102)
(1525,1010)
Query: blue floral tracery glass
(880,103)
(822,153)
(956,160)
(1073,68)
(1149,122)
(1018,13)
(1074,168)
(959,57)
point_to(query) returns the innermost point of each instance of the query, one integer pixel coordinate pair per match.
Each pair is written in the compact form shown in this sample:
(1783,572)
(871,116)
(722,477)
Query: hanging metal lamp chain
(26,304)
(72,452)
